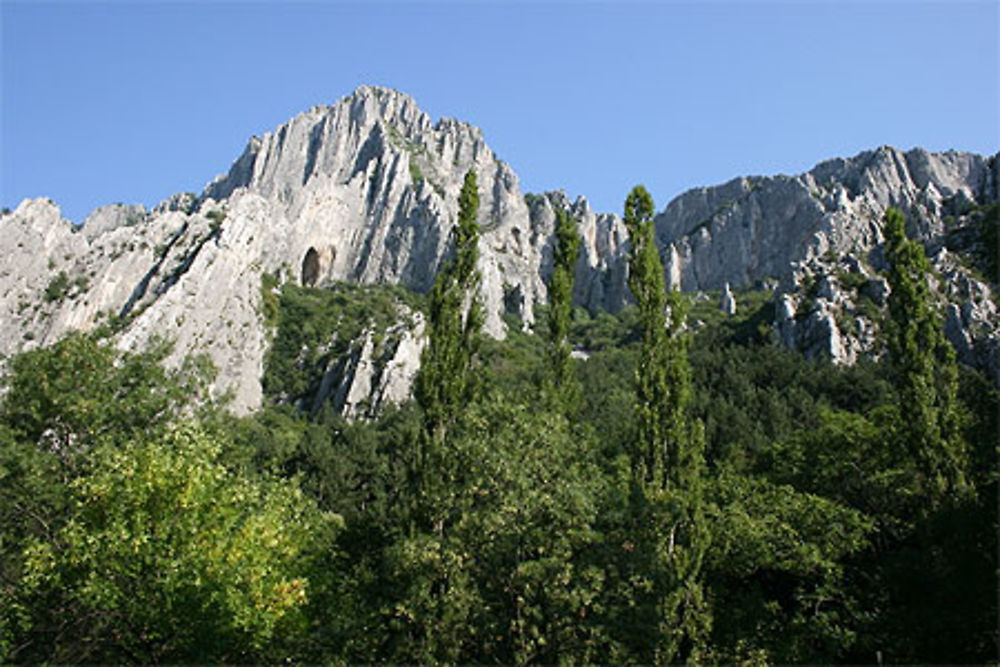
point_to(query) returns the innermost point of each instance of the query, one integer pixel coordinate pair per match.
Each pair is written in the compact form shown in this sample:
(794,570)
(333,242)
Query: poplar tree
(925,369)
(668,457)
(435,596)
(567,247)
(444,383)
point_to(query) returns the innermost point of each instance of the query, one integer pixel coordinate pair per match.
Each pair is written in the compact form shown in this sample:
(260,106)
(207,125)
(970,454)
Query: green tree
(427,569)
(668,459)
(564,255)
(82,390)
(926,373)
(169,556)
(776,571)
(446,383)
(509,580)
(60,403)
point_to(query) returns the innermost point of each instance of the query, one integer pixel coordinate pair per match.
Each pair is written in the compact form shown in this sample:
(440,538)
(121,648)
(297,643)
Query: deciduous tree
(564,254)
(668,458)
(923,360)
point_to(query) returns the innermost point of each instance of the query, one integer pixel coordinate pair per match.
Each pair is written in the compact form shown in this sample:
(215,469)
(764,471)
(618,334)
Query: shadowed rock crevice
(310,268)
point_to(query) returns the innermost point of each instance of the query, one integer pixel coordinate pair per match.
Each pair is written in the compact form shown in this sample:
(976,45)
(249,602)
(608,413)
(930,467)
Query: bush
(58,288)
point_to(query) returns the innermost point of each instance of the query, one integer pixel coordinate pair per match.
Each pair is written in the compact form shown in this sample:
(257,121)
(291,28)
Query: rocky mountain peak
(365,191)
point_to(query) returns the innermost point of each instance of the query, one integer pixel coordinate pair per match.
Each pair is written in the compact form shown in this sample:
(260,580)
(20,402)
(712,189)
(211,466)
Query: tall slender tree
(567,247)
(668,459)
(445,380)
(434,595)
(925,368)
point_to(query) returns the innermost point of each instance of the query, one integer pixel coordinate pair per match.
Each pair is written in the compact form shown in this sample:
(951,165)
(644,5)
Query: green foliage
(445,381)
(166,556)
(750,325)
(977,241)
(668,458)
(81,390)
(989,234)
(604,330)
(416,175)
(653,387)
(776,571)
(507,578)
(567,247)
(58,288)
(216,218)
(315,326)
(61,403)
(270,298)
(851,280)
(925,369)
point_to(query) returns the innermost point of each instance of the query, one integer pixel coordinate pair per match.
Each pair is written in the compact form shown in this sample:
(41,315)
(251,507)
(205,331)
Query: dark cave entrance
(310,268)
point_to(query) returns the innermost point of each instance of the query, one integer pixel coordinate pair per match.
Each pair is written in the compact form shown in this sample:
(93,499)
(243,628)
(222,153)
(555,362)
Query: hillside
(362,401)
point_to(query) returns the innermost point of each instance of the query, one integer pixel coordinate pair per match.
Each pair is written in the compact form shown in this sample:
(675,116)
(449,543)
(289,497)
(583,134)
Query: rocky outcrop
(832,306)
(753,228)
(819,236)
(378,370)
(727,302)
(366,191)
(602,265)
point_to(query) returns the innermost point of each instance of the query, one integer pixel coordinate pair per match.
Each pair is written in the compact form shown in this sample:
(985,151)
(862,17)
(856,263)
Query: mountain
(816,238)
(366,191)
(753,228)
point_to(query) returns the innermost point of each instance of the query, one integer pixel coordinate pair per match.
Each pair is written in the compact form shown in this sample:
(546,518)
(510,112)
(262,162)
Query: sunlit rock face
(366,191)
(812,232)
(753,228)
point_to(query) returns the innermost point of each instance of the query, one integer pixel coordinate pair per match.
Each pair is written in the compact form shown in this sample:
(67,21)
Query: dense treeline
(679,495)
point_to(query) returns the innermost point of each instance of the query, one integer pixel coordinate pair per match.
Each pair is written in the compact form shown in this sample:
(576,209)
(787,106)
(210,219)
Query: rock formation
(728,302)
(366,191)
(758,227)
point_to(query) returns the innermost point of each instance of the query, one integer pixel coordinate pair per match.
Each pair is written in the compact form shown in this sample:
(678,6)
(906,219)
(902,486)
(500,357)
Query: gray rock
(728,302)
(602,265)
(366,190)
(374,375)
(954,331)
(752,228)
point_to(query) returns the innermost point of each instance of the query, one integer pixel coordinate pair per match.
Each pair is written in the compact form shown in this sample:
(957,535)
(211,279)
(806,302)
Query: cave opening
(310,268)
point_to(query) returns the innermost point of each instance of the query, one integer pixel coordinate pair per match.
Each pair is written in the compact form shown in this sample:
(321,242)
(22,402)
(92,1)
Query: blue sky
(134,101)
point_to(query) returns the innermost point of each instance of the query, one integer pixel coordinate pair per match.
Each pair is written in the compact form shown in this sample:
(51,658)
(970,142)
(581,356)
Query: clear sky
(108,102)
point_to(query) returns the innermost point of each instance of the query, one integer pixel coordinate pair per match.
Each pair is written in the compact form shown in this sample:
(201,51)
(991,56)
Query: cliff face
(366,191)
(753,228)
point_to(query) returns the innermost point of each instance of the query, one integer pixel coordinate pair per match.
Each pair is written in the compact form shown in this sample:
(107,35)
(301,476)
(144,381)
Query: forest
(629,488)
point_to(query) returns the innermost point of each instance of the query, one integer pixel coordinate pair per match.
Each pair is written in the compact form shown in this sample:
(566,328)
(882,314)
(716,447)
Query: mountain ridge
(365,191)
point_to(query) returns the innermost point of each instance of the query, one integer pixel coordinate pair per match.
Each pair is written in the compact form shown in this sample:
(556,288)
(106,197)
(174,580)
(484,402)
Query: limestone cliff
(758,227)
(817,239)
(366,190)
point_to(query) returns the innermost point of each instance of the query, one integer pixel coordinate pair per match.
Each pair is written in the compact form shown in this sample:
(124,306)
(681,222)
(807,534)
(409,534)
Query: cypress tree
(668,458)
(455,318)
(567,247)
(445,383)
(925,369)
